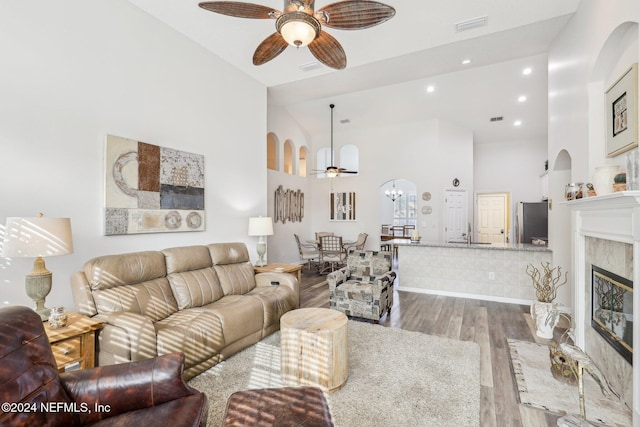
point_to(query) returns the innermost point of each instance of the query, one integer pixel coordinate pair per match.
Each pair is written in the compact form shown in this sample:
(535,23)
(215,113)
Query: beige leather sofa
(203,301)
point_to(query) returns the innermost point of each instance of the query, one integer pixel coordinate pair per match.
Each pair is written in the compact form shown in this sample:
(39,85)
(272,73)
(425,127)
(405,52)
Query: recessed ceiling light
(431,89)
(522,98)
(466,61)
(526,71)
(517,123)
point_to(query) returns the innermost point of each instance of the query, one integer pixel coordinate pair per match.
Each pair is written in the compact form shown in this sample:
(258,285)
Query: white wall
(72,71)
(511,167)
(594,49)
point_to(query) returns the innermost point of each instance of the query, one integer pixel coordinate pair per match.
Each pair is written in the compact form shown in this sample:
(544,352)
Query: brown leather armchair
(147,392)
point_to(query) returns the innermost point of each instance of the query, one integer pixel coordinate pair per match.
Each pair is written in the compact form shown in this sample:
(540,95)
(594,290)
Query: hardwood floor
(487,323)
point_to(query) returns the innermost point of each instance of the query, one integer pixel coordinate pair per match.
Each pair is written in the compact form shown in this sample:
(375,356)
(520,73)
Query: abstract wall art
(151,189)
(288,205)
(343,206)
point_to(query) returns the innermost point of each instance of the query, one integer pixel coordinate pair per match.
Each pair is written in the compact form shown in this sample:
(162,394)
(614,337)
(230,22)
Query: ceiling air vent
(496,119)
(345,121)
(310,66)
(471,23)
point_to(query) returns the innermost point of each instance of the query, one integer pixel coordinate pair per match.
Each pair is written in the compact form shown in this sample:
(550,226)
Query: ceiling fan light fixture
(298,28)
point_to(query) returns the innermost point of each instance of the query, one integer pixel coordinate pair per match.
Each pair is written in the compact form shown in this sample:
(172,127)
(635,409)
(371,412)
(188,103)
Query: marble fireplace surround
(606,233)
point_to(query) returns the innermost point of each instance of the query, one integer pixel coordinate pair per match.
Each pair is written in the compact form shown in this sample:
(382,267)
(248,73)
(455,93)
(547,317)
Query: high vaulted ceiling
(390,66)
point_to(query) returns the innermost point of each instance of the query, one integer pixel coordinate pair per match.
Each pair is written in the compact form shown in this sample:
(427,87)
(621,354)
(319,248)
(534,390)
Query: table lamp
(37,237)
(261,226)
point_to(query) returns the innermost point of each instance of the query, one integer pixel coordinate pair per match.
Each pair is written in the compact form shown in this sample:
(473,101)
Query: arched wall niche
(618,53)
(562,161)
(272,151)
(288,166)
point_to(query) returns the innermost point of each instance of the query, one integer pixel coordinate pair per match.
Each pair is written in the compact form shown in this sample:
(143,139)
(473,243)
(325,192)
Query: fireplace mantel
(614,217)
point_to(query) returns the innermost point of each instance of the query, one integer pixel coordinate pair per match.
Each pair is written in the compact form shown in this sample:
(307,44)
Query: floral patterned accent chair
(364,288)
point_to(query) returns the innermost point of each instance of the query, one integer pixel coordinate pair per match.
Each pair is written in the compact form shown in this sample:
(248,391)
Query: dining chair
(397,231)
(320,234)
(308,252)
(358,244)
(406,230)
(332,253)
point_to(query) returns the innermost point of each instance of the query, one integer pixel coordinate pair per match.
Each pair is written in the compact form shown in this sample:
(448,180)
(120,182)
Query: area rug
(396,378)
(538,388)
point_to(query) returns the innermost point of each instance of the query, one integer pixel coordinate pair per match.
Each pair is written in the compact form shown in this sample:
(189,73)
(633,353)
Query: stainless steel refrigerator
(532,221)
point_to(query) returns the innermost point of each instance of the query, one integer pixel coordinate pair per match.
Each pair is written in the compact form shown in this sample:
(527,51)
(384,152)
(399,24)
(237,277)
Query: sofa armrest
(285,279)
(337,277)
(127,387)
(138,335)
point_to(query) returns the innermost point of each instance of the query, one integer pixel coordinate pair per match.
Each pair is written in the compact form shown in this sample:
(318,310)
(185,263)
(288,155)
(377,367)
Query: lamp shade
(37,237)
(260,226)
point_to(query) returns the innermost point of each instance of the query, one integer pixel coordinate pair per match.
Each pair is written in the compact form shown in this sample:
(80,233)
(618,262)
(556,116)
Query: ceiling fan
(333,171)
(299,25)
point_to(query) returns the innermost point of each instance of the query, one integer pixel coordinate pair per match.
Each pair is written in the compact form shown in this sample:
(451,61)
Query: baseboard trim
(465,295)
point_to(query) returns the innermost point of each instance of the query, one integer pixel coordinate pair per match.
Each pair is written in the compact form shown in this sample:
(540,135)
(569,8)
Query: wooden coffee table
(313,346)
(295,269)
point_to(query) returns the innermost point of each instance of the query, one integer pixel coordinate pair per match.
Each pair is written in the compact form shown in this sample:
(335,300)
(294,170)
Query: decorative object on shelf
(343,206)
(151,189)
(591,192)
(261,226)
(394,194)
(621,106)
(426,196)
(37,237)
(288,205)
(603,179)
(426,210)
(299,25)
(57,318)
(620,182)
(580,362)
(573,191)
(415,236)
(544,311)
(633,169)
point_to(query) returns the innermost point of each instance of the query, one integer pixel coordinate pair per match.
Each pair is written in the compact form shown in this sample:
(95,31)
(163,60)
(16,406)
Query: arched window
(323,160)
(288,157)
(272,152)
(302,165)
(349,157)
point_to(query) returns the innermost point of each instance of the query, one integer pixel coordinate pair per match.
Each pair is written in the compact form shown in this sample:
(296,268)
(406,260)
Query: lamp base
(261,248)
(38,285)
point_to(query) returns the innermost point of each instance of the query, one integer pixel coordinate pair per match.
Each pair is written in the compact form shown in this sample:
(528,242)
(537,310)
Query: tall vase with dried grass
(546,282)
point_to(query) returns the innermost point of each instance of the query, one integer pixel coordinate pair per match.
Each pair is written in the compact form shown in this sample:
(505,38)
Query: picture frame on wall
(343,206)
(621,109)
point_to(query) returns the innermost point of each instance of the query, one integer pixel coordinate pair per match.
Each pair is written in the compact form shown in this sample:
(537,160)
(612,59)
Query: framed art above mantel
(621,109)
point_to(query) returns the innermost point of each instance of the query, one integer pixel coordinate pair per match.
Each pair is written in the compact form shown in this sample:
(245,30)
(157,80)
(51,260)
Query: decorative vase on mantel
(544,311)
(603,179)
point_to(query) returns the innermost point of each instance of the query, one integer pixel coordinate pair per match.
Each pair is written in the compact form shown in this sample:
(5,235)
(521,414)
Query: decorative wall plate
(426,210)
(426,196)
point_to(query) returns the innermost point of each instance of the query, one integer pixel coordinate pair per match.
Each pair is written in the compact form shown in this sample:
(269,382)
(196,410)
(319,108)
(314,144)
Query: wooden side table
(275,267)
(314,348)
(74,343)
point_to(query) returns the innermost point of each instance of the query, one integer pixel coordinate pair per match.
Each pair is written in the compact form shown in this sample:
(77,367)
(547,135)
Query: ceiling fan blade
(327,50)
(355,14)
(340,170)
(240,9)
(270,47)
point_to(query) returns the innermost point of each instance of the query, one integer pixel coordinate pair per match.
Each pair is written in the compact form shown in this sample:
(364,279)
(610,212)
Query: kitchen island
(494,272)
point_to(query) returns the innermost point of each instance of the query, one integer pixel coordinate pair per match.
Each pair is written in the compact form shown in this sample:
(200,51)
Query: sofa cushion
(196,332)
(228,253)
(193,282)
(152,298)
(186,258)
(236,279)
(109,271)
(240,316)
(276,301)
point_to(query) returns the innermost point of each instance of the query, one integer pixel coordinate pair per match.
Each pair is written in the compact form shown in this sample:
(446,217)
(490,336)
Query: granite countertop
(489,246)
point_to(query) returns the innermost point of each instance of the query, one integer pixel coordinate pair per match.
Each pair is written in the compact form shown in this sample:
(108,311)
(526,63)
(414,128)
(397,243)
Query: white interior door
(455,216)
(492,218)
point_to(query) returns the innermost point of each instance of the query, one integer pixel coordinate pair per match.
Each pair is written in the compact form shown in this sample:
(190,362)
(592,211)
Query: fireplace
(612,310)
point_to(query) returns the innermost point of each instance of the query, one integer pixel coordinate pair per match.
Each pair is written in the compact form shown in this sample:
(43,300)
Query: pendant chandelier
(394,194)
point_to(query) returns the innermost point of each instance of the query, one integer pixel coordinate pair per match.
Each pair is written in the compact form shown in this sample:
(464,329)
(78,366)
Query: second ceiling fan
(333,171)
(299,25)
